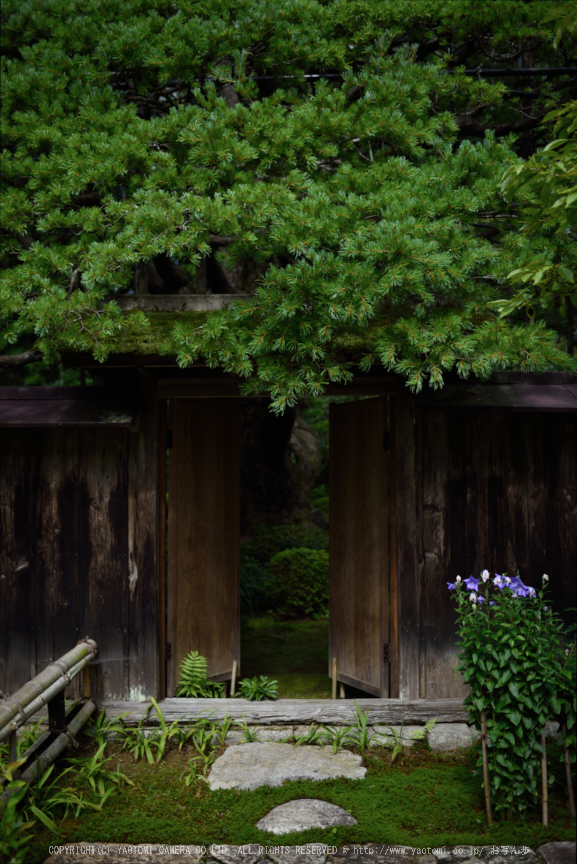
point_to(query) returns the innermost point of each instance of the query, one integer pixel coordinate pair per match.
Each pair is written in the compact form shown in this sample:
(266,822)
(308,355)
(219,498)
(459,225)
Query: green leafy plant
(105,729)
(250,732)
(14,839)
(193,682)
(93,772)
(221,730)
(298,583)
(314,735)
(519,663)
(257,689)
(340,736)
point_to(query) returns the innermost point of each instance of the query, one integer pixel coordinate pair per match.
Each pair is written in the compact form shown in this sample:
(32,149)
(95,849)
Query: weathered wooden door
(203,535)
(359,544)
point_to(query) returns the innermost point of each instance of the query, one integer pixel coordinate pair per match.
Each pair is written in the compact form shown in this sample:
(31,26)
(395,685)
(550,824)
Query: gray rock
(248,766)
(388,739)
(316,853)
(487,855)
(302,814)
(450,736)
(265,733)
(247,854)
(558,853)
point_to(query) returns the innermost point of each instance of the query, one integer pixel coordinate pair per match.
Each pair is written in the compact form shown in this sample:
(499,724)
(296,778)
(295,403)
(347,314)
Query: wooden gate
(359,544)
(203,536)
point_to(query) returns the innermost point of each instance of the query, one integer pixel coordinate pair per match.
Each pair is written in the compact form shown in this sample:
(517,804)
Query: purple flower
(499,582)
(451,586)
(472,584)
(518,589)
(480,599)
(492,603)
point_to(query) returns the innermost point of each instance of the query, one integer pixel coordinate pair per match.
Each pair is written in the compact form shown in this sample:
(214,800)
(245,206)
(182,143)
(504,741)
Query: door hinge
(386,652)
(169,439)
(386,440)
(169,650)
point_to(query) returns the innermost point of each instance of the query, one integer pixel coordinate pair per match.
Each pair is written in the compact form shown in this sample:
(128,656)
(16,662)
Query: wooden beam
(285,712)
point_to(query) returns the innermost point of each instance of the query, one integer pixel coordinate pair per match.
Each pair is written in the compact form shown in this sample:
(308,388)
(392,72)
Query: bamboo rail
(16,709)
(47,688)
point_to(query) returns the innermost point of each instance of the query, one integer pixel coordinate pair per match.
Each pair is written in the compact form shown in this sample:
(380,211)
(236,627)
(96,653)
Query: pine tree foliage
(137,129)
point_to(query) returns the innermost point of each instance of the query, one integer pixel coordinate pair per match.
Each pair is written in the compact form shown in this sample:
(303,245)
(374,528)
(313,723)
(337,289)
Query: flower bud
(458,579)
(485,575)
(545,577)
(473,597)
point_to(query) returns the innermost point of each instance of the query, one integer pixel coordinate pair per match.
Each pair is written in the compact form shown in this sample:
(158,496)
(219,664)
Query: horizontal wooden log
(287,712)
(177,302)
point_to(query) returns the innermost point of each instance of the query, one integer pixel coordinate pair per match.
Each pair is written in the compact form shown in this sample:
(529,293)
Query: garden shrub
(253,576)
(519,662)
(269,540)
(298,582)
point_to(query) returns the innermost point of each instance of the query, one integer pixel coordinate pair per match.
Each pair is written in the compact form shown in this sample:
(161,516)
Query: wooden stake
(334,690)
(233,678)
(544,787)
(86,684)
(486,768)
(568,772)
(341,690)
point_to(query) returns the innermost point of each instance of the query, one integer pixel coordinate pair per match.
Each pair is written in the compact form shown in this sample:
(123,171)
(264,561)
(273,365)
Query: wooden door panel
(203,535)
(359,558)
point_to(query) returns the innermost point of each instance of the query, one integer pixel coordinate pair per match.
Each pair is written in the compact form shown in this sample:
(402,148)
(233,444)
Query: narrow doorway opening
(284,553)
(278,544)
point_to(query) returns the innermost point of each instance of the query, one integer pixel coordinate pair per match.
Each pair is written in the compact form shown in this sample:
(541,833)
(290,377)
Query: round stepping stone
(302,814)
(248,766)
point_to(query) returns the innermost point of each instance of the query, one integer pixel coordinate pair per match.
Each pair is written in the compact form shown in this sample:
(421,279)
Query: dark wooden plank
(161,547)
(288,712)
(441,492)
(203,535)
(143,517)
(403,455)
(103,574)
(359,544)
(60,412)
(530,397)
(18,483)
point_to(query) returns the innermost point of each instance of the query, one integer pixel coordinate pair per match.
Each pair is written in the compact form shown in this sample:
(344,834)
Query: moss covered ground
(422,799)
(294,653)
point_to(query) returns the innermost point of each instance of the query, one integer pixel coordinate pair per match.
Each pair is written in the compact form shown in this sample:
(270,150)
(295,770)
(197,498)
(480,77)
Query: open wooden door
(359,544)
(203,536)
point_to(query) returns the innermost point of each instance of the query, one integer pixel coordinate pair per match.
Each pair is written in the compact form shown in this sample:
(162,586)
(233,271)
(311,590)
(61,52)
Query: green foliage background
(137,129)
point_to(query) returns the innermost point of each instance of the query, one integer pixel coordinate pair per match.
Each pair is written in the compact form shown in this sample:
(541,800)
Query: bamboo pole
(56,748)
(19,703)
(233,678)
(568,771)
(334,688)
(486,767)
(544,786)
(42,699)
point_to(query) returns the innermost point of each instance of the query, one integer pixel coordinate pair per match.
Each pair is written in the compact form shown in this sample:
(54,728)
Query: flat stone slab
(302,814)
(559,853)
(249,766)
(451,736)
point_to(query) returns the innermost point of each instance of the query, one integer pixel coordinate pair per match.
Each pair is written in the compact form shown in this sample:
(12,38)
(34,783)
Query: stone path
(311,853)
(248,766)
(302,814)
